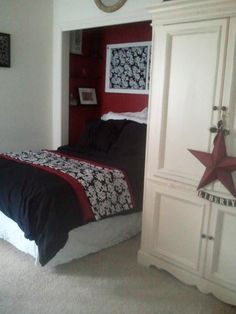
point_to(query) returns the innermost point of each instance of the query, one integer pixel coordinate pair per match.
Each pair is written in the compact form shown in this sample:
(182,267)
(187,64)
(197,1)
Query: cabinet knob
(215,108)
(210,238)
(226,132)
(213,129)
(204,236)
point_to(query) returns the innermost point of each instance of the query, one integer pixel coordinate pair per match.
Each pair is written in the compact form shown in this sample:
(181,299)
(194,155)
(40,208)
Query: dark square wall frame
(5,50)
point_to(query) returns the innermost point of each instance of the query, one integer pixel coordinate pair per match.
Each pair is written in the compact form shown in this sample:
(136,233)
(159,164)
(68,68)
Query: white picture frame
(87,96)
(128,67)
(76,42)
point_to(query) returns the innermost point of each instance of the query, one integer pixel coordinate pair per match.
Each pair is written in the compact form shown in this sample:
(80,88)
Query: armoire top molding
(177,11)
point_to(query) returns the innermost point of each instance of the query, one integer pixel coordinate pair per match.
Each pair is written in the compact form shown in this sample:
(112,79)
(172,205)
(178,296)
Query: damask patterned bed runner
(106,188)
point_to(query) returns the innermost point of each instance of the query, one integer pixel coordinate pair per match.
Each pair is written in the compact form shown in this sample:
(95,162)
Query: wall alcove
(87,70)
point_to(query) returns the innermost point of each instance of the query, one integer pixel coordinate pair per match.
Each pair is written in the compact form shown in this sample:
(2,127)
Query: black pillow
(100,135)
(131,142)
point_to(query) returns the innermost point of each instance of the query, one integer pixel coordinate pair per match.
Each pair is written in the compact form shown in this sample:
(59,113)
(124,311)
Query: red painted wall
(85,68)
(88,70)
(84,72)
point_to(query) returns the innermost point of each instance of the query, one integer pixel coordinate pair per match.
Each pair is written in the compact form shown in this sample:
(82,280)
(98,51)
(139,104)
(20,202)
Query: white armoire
(193,70)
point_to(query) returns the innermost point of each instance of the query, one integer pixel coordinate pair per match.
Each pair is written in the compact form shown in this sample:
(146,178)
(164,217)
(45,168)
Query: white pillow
(140,116)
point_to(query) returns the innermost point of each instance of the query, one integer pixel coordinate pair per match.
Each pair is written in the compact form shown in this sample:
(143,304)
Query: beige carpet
(109,282)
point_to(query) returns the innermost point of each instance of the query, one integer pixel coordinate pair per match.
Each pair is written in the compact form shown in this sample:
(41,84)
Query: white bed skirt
(82,241)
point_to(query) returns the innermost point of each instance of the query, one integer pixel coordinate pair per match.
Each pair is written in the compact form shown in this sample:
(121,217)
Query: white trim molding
(192,10)
(108,20)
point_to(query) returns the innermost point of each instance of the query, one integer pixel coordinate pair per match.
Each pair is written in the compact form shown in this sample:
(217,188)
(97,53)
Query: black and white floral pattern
(4,50)
(106,189)
(129,67)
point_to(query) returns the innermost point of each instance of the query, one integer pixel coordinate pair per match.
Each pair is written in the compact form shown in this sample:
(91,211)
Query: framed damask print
(5,50)
(128,67)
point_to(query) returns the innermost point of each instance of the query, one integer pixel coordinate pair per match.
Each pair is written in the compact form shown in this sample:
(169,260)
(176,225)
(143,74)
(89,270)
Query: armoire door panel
(193,64)
(177,230)
(194,59)
(221,256)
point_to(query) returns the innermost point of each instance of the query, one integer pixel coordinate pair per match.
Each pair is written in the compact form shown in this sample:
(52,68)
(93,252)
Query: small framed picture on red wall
(87,96)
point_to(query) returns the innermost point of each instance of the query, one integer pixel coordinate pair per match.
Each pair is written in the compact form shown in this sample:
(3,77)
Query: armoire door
(187,81)
(177,226)
(229,98)
(221,247)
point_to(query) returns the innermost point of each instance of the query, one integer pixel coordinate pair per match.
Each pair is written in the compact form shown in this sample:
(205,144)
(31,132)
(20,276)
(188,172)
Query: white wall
(79,14)
(26,87)
(68,13)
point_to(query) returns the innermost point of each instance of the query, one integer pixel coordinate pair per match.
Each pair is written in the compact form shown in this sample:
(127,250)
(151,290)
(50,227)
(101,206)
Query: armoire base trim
(205,286)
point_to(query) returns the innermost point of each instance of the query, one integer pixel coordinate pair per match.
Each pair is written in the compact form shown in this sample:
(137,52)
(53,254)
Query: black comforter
(45,205)
(37,200)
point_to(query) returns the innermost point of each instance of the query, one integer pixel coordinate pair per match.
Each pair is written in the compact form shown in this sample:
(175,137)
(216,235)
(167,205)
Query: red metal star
(218,164)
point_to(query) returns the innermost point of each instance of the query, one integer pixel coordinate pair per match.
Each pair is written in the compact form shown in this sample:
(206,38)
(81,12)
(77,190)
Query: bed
(61,205)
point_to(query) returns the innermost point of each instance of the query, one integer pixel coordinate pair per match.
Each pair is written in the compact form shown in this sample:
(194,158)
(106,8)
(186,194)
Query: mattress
(82,241)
